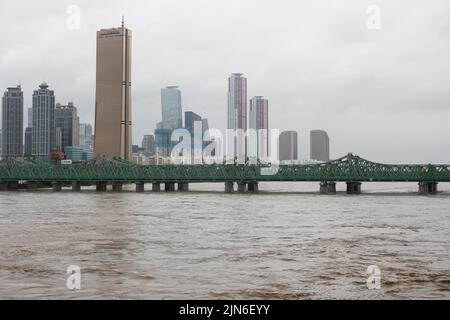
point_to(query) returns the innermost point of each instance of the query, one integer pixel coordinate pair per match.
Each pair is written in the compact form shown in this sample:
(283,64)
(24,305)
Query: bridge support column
(140,186)
(56,186)
(156,187)
(428,187)
(242,187)
(117,186)
(324,187)
(353,187)
(229,187)
(76,186)
(3,186)
(253,187)
(31,185)
(183,187)
(327,187)
(169,187)
(101,186)
(331,187)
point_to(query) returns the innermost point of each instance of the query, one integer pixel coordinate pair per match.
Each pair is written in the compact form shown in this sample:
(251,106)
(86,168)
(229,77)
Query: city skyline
(348,85)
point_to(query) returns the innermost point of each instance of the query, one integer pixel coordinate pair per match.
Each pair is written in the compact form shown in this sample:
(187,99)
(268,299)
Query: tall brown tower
(113,94)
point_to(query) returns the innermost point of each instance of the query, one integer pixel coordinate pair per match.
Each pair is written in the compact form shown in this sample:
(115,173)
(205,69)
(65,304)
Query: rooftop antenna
(123,21)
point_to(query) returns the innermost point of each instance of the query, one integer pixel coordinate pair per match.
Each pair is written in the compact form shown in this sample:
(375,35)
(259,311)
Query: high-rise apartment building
(259,122)
(237,113)
(67,121)
(12,123)
(43,130)
(288,143)
(320,146)
(113,102)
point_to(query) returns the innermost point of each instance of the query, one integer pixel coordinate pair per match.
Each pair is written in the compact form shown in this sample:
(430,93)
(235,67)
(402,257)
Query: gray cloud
(382,94)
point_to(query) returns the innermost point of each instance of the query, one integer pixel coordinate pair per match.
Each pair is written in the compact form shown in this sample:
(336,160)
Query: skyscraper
(288,146)
(67,120)
(172,114)
(43,131)
(113,103)
(85,135)
(237,112)
(259,121)
(12,123)
(320,146)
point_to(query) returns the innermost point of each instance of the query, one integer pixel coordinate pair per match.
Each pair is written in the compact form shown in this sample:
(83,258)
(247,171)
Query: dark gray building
(68,122)
(320,146)
(43,140)
(28,138)
(12,123)
(288,146)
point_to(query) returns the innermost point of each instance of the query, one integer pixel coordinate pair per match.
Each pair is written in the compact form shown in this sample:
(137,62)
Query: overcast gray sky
(383,94)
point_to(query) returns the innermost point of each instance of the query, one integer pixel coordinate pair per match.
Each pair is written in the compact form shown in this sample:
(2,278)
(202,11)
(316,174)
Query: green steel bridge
(350,169)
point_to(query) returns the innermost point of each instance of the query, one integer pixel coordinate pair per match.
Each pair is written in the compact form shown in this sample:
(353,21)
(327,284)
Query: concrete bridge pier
(156,187)
(56,186)
(327,187)
(117,186)
(242,187)
(140,186)
(101,186)
(183,187)
(31,185)
(428,187)
(229,187)
(253,187)
(169,187)
(9,185)
(76,186)
(324,187)
(353,187)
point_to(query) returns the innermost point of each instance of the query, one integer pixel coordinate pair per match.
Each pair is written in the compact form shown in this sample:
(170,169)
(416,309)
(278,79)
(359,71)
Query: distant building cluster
(53,130)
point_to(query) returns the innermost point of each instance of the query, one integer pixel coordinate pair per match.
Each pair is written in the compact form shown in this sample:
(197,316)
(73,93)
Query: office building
(113,101)
(67,125)
(320,146)
(171,108)
(85,135)
(148,144)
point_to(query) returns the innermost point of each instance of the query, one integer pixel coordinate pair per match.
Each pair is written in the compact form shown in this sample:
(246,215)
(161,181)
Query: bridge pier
(101,186)
(169,187)
(140,186)
(353,187)
(327,187)
(117,186)
(229,187)
(76,186)
(56,186)
(31,185)
(253,187)
(183,187)
(428,188)
(9,185)
(156,187)
(242,187)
